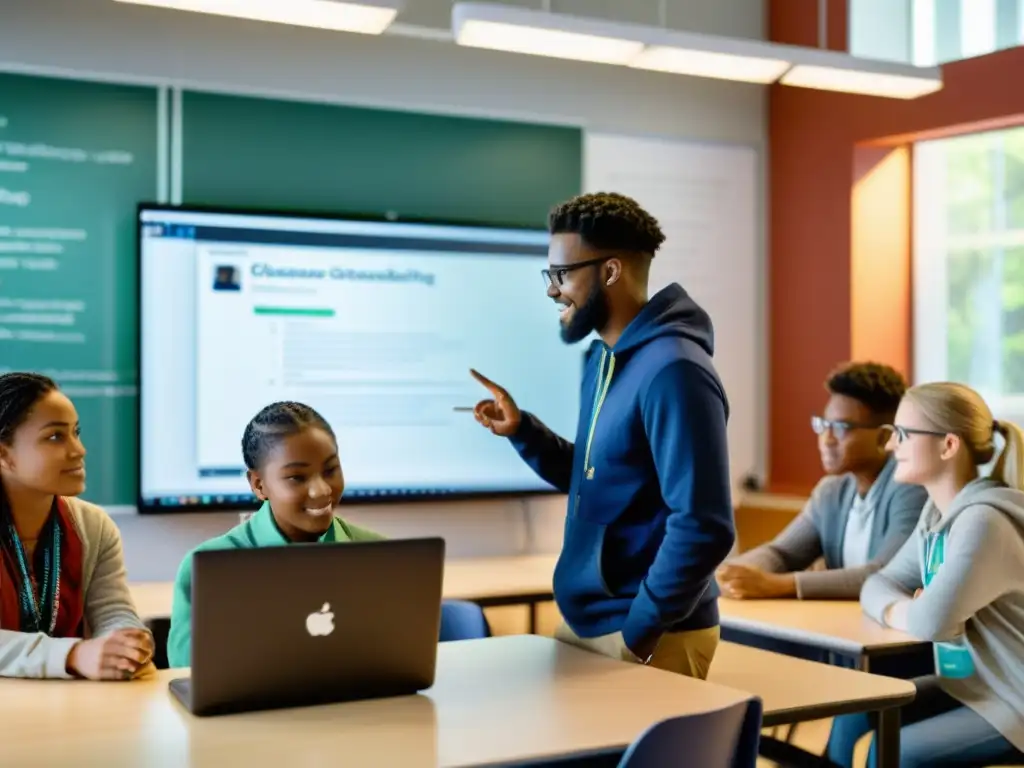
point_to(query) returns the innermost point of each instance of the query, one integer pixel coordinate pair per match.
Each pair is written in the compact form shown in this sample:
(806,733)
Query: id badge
(952,657)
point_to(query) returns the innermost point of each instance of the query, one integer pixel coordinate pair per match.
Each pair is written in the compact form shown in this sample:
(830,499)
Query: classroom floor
(513,619)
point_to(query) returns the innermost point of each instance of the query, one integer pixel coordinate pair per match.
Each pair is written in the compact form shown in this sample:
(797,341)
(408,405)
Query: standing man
(650,516)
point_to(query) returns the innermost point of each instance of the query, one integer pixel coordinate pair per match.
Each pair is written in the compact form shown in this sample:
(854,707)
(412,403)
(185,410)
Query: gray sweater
(978,593)
(108,603)
(819,529)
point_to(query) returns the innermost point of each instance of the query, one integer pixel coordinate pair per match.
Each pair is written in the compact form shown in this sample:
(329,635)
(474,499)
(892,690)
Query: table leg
(888,738)
(533,618)
(865,663)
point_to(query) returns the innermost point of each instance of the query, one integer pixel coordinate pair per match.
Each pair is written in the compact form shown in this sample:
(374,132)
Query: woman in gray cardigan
(958,582)
(65,609)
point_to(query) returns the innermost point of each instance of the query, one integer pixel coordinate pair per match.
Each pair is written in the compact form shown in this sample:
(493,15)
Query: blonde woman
(958,583)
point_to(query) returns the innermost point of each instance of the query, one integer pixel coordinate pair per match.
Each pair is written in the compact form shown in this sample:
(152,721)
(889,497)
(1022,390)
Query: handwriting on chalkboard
(40,151)
(20,199)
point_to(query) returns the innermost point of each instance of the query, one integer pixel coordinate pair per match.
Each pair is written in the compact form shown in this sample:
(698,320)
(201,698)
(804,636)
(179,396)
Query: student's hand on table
(499,413)
(121,655)
(145,671)
(743,582)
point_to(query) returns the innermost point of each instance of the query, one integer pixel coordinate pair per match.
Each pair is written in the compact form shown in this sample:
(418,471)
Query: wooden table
(495,701)
(833,625)
(795,691)
(487,581)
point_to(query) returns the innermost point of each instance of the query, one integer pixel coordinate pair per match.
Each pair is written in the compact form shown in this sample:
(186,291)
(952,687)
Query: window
(928,32)
(949,30)
(969,265)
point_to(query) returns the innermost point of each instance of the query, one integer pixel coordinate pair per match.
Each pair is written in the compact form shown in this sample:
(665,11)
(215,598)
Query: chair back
(463,620)
(726,738)
(161,628)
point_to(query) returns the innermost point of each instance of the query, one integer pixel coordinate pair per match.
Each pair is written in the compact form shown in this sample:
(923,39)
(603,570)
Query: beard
(592,316)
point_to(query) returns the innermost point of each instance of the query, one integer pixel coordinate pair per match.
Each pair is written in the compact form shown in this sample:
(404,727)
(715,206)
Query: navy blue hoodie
(650,514)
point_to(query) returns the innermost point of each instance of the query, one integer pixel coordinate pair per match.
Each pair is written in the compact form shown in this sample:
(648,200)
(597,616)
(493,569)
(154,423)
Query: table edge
(828,642)
(823,711)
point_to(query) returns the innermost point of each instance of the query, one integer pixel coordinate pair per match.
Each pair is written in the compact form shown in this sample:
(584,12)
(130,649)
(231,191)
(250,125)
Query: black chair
(726,738)
(160,628)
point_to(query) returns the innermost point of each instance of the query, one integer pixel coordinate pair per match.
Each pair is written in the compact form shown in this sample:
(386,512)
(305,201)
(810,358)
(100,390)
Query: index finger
(495,389)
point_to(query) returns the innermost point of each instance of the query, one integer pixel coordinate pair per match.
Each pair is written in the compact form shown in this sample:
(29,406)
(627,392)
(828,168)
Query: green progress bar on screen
(294,311)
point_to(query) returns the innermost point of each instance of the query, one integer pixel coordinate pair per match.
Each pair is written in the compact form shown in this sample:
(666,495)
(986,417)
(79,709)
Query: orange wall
(839,214)
(880,270)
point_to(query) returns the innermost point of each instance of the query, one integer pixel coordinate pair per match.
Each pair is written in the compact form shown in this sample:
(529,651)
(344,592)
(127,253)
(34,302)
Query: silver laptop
(308,624)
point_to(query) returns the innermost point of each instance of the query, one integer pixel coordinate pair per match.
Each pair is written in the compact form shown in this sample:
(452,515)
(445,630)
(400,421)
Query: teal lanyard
(952,658)
(39,615)
(935,554)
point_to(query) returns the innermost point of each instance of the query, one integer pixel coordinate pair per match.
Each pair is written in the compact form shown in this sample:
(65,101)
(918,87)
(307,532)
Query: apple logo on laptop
(320,623)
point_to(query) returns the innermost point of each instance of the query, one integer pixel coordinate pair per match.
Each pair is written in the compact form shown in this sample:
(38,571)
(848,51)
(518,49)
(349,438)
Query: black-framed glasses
(556,275)
(840,429)
(902,433)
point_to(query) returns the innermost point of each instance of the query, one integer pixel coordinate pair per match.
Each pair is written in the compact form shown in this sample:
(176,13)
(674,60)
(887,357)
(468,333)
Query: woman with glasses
(857,516)
(957,583)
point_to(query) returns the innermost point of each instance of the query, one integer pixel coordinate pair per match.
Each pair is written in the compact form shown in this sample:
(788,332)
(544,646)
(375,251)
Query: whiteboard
(705,198)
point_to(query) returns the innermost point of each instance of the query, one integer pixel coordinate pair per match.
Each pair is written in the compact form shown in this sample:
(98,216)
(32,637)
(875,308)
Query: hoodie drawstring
(604,381)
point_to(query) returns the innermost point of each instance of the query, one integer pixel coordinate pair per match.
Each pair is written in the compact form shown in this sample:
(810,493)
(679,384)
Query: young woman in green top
(291,455)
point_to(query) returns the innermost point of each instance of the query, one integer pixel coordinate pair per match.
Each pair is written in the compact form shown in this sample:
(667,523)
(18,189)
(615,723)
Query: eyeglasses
(902,433)
(840,429)
(553,275)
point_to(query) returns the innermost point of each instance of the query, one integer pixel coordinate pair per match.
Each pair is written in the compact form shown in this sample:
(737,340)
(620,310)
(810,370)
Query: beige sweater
(108,603)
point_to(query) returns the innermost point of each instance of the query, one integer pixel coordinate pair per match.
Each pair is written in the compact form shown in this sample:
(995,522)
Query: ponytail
(1009,467)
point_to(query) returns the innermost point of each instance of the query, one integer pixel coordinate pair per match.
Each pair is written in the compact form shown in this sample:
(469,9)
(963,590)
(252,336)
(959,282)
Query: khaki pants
(685,653)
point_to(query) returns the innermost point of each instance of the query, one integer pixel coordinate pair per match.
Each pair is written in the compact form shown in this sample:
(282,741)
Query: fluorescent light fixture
(723,58)
(540,33)
(518,30)
(722,66)
(833,71)
(370,17)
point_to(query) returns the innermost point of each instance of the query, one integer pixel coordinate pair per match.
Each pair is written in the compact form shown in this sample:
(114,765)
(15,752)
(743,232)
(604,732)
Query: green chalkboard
(75,159)
(262,153)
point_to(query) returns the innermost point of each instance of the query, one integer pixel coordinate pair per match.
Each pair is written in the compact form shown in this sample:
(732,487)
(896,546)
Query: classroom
(284,270)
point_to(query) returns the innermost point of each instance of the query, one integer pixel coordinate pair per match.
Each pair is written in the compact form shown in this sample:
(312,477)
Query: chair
(160,627)
(727,738)
(463,620)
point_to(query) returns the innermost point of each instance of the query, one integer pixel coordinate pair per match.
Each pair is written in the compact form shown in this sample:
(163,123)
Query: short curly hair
(879,387)
(608,221)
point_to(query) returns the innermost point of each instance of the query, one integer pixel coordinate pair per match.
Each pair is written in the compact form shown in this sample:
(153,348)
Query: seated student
(293,467)
(958,582)
(61,566)
(857,516)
